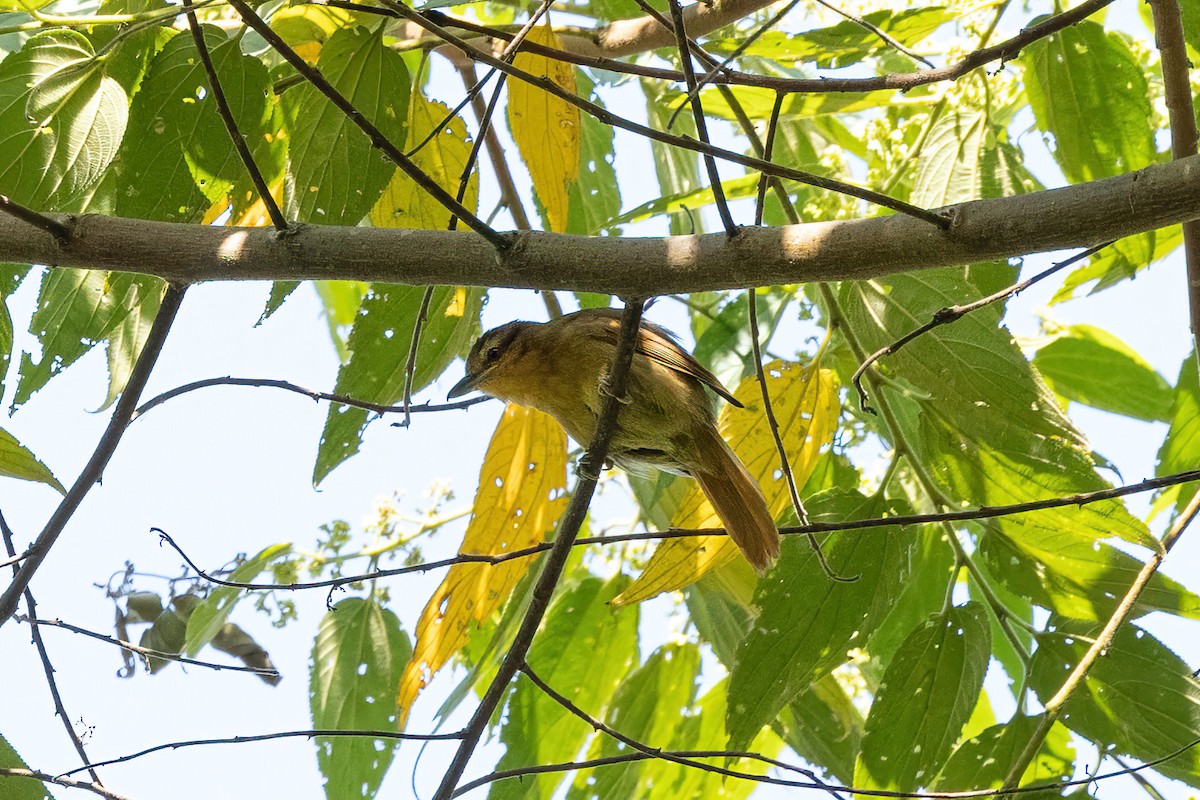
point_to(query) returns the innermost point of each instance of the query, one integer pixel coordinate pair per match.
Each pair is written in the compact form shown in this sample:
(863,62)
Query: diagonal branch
(60,230)
(58,780)
(107,445)
(560,552)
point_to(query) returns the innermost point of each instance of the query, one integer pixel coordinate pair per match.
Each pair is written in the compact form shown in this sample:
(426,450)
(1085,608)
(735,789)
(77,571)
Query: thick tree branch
(1074,216)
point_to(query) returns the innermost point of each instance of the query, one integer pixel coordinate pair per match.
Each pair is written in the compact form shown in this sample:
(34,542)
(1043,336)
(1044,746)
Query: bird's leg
(605,389)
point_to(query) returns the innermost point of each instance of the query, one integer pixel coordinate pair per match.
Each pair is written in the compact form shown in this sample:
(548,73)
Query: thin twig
(270,383)
(966,515)
(58,780)
(560,551)
(657,752)
(235,135)
(1177,87)
(689,74)
(607,117)
(263,737)
(121,417)
(745,44)
(875,29)
(948,314)
(59,709)
(1053,707)
(148,652)
(760,199)
(625,758)
(903,81)
(59,230)
(378,139)
(508,189)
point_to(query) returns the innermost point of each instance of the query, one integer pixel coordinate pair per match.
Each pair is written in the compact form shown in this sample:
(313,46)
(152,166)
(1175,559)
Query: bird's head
(492,356)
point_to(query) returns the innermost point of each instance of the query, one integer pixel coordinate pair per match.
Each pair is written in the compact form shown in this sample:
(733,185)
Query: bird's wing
(660,345)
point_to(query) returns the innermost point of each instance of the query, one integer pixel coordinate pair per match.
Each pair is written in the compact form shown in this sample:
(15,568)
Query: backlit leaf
(16,461)
(206,619)
(807,407)
(983,761)
(546,128)
(522,493)
(356,661)
(926,696)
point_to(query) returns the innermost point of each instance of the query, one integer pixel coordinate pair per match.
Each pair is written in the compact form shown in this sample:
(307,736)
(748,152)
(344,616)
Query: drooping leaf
(808,622)
(356,661)
(1089,365)
(1082,74)
(806,404)
(77,309)
(521,495)
(16,461)
(379,346)
(334,175)
(537,730)
(1140,696)
(546,128)
(646,707)
(62,118)
(206,620)
(926,696)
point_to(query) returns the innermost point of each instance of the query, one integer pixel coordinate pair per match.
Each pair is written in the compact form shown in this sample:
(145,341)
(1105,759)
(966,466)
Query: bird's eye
(493,354)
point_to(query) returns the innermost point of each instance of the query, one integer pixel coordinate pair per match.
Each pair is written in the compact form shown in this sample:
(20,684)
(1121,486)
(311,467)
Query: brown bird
(667,421)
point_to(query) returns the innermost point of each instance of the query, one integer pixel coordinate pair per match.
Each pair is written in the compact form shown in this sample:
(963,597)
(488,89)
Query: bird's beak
(466,385)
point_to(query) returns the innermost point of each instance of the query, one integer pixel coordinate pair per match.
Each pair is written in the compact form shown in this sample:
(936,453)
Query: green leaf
(62,118)
(77,309)
(208,617)
(824,727)
(808,622)
(357,658)
(646,707)
(719,618)
(20,788)
(1079,77)
(1003,650)
(537,730)
(1180,450)
(17,462)
(182,162)
(166,635)
(758,103)
(949,169)
(1120,262)
(983,761)
(847,42)
(1089,365)
(334,175)
(595,197)
(693,200)
(678,170)
(1139,697)
(925,698)
(379,346)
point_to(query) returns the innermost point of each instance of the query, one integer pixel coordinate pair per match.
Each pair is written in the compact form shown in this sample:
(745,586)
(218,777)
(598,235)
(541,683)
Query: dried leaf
(521,495)
(806,405)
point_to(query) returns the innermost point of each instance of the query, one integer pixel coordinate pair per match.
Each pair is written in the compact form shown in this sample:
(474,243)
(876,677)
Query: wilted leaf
(206,620)
(546,128)
(521,495)
(807,407)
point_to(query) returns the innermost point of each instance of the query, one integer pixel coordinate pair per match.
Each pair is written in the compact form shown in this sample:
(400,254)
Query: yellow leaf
(255,214)
(458,304)
(406,205)
(522,493)
(546,128)
(806,405)
(306,27)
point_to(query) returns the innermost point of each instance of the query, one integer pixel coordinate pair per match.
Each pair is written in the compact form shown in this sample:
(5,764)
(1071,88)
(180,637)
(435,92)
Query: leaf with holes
(522,493)
(16,461)
(924,699)
(379,345)
(806,406)
(602,643)
(356,660)
(983,761)
(403,203)
(334,175)
(546,128)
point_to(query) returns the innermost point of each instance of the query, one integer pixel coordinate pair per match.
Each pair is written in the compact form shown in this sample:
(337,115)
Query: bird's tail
(738,501)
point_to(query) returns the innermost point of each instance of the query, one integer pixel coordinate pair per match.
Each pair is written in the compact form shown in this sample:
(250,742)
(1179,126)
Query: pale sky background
(227,470)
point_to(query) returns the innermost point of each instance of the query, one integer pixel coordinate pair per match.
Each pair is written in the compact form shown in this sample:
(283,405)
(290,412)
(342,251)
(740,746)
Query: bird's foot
(606,390)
